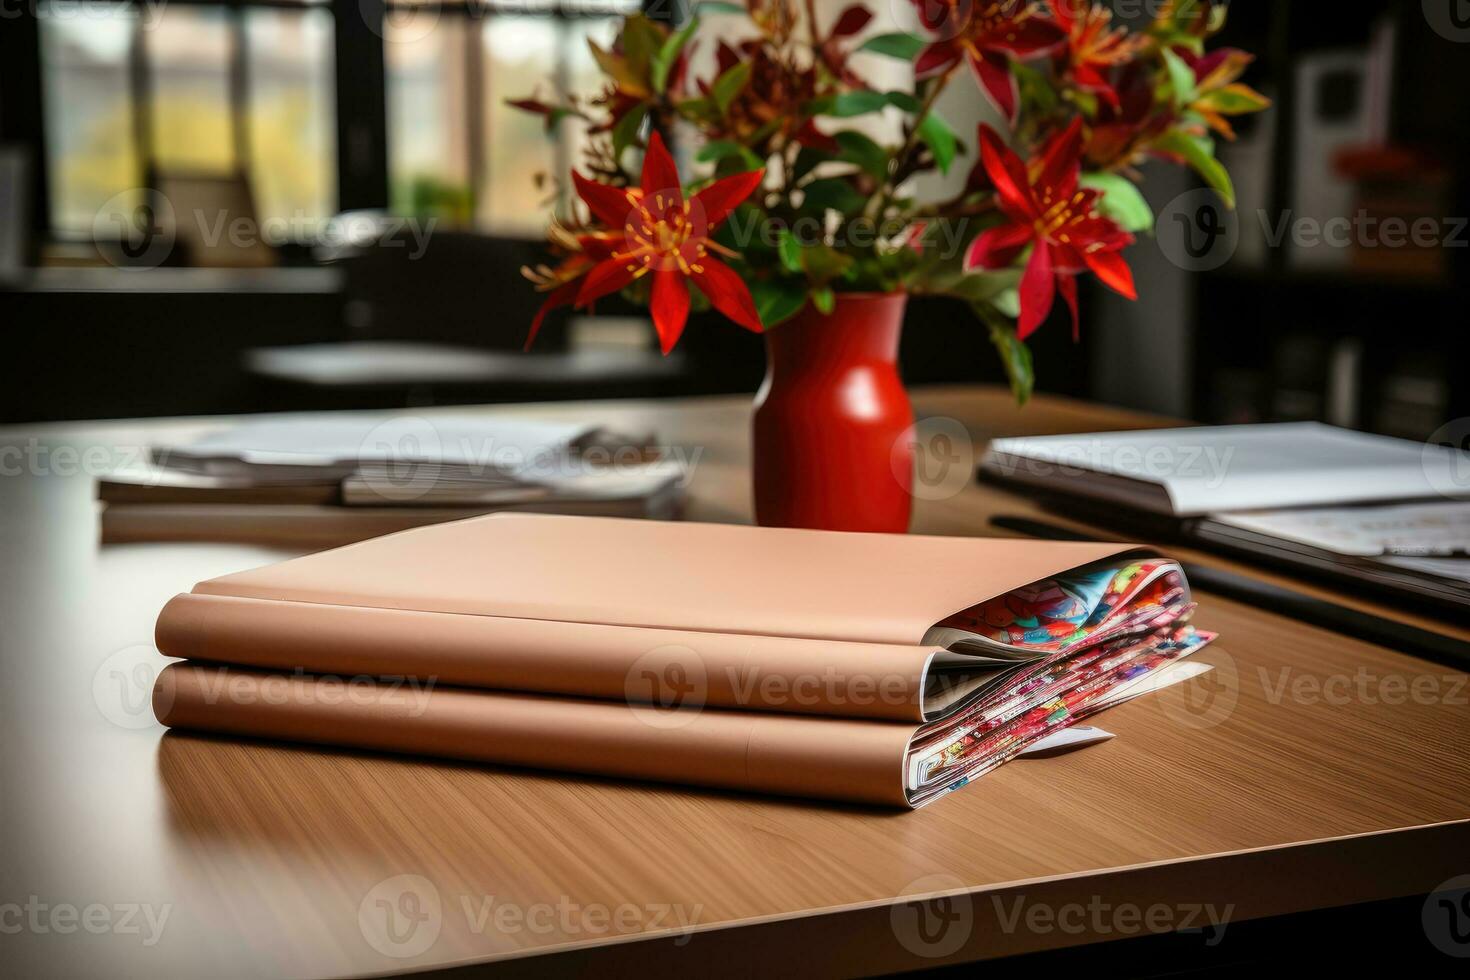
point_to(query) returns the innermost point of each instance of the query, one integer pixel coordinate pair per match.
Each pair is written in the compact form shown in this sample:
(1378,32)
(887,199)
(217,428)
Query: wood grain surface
(1308,770)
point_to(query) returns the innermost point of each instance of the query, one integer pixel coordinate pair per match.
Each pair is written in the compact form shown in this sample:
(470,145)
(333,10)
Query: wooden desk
(1279,783)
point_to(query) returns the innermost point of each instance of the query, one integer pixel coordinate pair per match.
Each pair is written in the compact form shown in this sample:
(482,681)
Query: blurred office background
(360,201)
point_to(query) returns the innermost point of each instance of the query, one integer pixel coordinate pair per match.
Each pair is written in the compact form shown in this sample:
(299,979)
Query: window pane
(189,53)
(527,169)
(291,136)
(428,155)
(521,54)
(89,126)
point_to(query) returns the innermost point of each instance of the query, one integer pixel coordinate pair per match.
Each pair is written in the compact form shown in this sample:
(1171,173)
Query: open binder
(884,669)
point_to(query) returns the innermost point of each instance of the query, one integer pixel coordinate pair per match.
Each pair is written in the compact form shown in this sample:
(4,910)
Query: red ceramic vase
(831,436)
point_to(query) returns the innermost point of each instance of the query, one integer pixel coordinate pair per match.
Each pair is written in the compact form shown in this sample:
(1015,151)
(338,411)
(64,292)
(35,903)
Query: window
(197,88)
(456,150)
(246,92)
(94,166)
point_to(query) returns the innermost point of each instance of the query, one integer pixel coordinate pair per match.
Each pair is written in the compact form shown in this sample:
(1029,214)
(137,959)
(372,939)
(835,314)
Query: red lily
(653,229)
(1049,211)
(1094,46)
(989,34)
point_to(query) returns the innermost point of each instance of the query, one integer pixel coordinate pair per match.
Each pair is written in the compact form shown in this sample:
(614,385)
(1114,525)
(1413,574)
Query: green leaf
(1015,357)
(1200,153)
(1038,92)
(906,101)
(941,139)
(832,193)
(697,110)
(728,85)
(823,263)
(905,47)
(1121,201)
(860,149)
(668,54)
(790,251)
(824,299)
(1181,79)
(857,103)
(717,150)
(984,287)
(1234,100)
(642,39)
(625,133)
(807,159)
(777,300)
(720,7)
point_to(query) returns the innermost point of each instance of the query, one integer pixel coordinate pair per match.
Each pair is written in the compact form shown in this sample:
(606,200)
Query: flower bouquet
(796,210)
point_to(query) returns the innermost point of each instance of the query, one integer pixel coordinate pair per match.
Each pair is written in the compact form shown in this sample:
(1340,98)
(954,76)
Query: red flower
(1094,46)
(988,34)
(1048,210)
(654,230)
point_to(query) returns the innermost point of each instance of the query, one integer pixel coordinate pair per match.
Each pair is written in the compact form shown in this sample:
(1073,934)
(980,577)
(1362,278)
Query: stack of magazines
(881,669)
(324,482)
